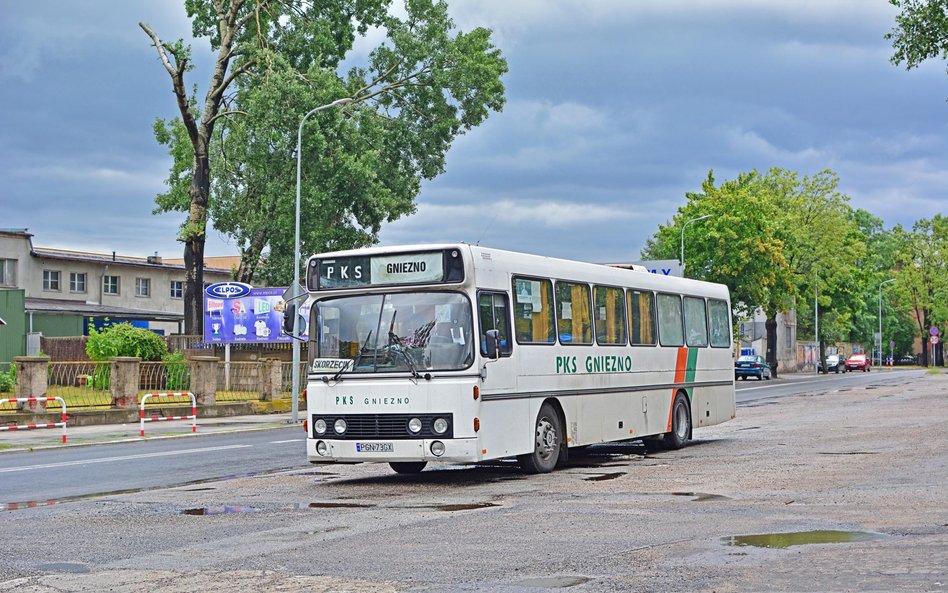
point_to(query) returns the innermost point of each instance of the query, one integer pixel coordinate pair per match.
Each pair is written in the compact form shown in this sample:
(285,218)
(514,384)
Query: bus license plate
(375,447)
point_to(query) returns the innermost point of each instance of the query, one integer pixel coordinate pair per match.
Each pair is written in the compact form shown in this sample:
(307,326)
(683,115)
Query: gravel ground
(870,460)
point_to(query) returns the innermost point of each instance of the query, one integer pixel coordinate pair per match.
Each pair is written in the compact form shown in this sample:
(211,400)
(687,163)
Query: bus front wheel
(408,467)
(546,443)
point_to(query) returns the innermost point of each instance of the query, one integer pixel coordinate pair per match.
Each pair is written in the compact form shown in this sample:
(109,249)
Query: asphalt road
(68,473)
(836,489)
(71,473)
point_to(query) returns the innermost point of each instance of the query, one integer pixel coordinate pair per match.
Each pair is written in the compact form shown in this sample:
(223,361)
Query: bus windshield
(413,331)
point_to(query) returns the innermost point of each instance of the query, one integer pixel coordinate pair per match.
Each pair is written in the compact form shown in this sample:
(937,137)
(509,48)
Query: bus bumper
(455,451)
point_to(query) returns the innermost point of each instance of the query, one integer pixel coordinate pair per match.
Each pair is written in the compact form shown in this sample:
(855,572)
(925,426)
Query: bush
(177,373)
(123,339)
(8,380)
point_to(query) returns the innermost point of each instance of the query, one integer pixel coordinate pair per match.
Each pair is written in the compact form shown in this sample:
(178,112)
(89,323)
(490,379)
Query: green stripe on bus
(690,369)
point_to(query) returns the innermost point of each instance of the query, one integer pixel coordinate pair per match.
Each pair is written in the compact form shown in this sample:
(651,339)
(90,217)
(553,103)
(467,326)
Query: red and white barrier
(32,426)
(192,417)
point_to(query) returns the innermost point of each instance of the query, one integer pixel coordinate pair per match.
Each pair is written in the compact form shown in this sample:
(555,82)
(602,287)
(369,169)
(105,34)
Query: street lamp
(880,317)
(296,254)
(683,240)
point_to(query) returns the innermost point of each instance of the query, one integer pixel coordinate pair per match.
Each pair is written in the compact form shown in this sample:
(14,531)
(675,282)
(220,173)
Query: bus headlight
(440,425)
(321,448)
(320,426)
(414,425)
(340,426)
(437,448)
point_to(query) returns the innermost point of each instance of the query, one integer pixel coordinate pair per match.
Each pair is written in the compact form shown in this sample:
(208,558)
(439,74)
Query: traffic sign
(933,331)
(892,344)
(934,339)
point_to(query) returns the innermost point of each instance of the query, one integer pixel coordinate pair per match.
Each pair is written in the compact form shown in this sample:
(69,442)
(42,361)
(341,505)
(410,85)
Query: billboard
(254,317)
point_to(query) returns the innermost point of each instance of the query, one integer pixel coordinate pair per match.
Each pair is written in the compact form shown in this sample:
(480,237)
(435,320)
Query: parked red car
(858,362)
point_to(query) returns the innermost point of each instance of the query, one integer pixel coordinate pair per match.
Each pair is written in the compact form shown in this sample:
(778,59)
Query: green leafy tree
(276,60)
(920,33)
(922,276)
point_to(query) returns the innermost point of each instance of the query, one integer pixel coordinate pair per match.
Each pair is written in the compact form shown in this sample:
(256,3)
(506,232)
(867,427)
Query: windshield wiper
(393,337)
(355,360)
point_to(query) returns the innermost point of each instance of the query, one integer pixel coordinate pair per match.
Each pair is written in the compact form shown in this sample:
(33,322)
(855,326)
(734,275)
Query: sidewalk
(20,440)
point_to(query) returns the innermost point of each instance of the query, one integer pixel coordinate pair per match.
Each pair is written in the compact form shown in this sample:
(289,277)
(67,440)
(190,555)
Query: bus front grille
(381,426)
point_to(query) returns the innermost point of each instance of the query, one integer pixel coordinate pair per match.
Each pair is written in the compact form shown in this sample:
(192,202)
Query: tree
(276,60)
(921,32)
(922,276)
(767,240)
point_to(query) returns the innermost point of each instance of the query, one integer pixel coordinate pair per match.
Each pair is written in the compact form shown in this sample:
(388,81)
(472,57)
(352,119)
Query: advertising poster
(256,317)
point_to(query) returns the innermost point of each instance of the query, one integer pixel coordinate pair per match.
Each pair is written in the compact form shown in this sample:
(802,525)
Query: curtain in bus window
(696,322)
(609,315)
(720,327)
(670,332)
(533,311)
(642,317)
(572,313)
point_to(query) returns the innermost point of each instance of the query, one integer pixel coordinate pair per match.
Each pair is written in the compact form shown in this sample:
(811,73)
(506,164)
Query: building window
(8,272)
(77,282)
(51,280)
(110,284)
(177,289)
(142,287)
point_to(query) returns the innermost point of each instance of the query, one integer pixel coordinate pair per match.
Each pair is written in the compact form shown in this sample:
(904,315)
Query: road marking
(121,458)
(287,441)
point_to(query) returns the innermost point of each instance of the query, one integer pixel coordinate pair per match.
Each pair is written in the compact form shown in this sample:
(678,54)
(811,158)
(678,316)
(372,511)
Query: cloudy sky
(615,109)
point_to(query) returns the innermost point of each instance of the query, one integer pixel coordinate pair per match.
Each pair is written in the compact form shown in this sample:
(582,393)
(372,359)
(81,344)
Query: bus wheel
(546,444)
(681,423)
(408,467)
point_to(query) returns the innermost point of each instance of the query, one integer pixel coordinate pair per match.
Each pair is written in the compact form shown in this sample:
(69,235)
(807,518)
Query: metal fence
(287,383)
(81,384)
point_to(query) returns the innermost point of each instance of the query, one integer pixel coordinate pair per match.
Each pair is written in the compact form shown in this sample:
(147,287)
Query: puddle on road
(463,507)
(848,452)
(554,582)
(604,477)
(801,538)
(339,505)
(221,510)
(70,567)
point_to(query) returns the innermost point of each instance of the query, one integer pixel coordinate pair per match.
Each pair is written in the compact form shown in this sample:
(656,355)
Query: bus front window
(427,331)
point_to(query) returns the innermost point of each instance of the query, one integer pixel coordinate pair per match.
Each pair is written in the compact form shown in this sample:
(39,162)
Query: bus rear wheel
(681,423)
(408,467)
(546,443)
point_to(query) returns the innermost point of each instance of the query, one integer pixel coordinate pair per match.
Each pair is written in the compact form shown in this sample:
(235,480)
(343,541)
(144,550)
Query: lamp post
(296,254)
(683,241)
(880,316)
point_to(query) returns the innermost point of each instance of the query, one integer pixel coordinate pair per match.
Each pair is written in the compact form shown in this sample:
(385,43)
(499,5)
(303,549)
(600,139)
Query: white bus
(461,354)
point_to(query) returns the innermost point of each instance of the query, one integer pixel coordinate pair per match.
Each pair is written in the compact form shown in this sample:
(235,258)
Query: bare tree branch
(177,81)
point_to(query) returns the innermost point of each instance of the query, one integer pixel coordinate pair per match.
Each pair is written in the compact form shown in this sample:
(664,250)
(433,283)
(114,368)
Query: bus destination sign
(381,270)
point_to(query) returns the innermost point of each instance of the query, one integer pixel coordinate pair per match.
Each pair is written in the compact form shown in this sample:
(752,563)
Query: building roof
(67,307)
(219,262)
(122,260)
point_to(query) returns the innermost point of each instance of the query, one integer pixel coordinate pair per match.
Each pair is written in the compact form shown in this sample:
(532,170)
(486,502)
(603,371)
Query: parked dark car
(907,359)
(859,362)
(752,365)
(835,363)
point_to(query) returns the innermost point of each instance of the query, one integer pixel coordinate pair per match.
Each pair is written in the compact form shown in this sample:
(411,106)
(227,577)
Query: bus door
(494,313)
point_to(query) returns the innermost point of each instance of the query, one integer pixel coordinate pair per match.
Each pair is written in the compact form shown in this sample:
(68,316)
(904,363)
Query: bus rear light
(477,424)
(306,426)
(477,392)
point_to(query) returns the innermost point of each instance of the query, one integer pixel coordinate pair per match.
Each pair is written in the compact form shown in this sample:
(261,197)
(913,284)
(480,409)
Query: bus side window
(670,330)
(573,313)
(720,326)
(494,314)
(696,322)
(533,311)
(641,318)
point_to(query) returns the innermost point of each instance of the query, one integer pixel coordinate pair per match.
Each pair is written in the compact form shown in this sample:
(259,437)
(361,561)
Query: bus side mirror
(493,344)
(288,317)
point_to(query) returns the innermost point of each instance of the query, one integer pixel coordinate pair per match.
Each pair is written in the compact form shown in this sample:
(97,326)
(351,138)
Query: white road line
(121,458)
(287,441)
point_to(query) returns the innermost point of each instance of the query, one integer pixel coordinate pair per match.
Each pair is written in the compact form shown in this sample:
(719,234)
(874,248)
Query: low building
(64,292)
